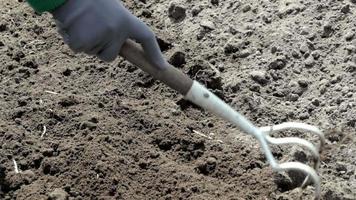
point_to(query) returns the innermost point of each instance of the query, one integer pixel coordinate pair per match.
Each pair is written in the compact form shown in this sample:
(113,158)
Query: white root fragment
(202,135)
(15,166)
(44,131)
(50,92)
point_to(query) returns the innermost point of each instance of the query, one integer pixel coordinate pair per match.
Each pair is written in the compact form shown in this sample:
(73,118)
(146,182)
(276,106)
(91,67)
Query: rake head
(201,96)
(315,151)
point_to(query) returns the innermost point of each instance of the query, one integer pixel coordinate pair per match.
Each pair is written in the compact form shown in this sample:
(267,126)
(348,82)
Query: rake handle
(171,76)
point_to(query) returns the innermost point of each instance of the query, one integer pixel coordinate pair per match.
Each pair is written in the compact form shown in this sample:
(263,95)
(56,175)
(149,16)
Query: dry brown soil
(112,132)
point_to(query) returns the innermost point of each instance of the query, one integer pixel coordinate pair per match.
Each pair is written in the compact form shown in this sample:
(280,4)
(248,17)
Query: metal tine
(294,140)
(299,141)
(298,126)
(307,170)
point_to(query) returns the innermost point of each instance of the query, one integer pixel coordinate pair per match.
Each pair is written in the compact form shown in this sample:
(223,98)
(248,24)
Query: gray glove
(100,27)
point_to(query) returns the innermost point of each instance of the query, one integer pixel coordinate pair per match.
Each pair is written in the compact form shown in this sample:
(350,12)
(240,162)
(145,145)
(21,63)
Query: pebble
(309,62)
(315,54)
(259,77)
(215,2)
(244,53)
(304,31)
(316,102)
(278,63)
(231,48)
(351,67)
(207,24)
(211,161)
(295,54)
(303,83)
(58,194)
(353,59)
(345,9)
(304,48)
(177,13)
(88,125)
(327,30)
(3,27)
(196,10)
(246,8)
(293,97)
(350,49)
(349,36)
(304,116)
(177,59)
(274,49)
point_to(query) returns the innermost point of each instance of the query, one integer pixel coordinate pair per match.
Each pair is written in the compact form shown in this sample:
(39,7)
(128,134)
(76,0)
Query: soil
(112,132)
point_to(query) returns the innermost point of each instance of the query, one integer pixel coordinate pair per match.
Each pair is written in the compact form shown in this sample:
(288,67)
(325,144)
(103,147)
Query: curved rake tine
(310,146)
(297,126)
(302,142)
(295,140)
(307,170)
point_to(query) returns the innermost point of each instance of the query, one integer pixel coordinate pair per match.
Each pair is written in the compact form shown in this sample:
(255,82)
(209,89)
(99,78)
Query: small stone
(278,63)
(196,11)
(246,8)
(304,116)
(244,53)
(296,54)
(177,13)
(341,167)
(58,194)
(315,54)
(316,102)
(350,49)
(309,62)
(327,30)
(231,48)
(267,19)
(211,161)
(22,101)
(214,2)
(259,77)
(303,83)
(67,72)
(3,27)
(349,36)
(293,97)
(353,59)
(304,31)
(304,48)
(274,49)
(336,79)
(207,24)
(353,1)
(88,125)
(345,9)
(351,67)
(177,59)
(68,101)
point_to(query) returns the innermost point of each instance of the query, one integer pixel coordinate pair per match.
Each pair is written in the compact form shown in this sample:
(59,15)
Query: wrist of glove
(101,27)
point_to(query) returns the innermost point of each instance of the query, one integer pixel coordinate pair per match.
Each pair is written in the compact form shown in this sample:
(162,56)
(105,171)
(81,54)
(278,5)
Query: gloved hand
(100,27)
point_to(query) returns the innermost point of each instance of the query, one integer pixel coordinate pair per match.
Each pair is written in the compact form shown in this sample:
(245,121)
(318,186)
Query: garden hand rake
(198,94)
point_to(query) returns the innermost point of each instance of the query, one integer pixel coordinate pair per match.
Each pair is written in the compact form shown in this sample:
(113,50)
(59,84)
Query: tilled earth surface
(112,132)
